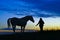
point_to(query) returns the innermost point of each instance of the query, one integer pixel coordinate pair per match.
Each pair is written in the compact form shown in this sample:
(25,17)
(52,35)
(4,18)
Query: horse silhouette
(14,21)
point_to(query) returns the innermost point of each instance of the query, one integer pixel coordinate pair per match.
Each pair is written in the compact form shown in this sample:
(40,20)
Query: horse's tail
(8,23)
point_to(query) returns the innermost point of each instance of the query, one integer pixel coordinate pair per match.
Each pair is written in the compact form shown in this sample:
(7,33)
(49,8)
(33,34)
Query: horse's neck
(25,18)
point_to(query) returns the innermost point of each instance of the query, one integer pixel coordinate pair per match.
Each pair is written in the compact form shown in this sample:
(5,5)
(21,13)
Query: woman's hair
(40,18)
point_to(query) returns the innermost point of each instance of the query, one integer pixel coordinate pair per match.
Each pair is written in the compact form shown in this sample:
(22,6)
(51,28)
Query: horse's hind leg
(14,28)
(21,28)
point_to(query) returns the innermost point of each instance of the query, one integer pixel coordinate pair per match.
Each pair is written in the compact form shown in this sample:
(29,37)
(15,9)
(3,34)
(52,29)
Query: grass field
(44,35)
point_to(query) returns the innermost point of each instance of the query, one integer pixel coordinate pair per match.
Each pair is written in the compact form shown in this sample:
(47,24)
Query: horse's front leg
(23,28)
(14,28)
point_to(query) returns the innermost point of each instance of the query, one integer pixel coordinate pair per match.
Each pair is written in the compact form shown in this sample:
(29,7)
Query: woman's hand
(35,25)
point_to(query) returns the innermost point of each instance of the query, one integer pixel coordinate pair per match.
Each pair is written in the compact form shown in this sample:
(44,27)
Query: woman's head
(40,18)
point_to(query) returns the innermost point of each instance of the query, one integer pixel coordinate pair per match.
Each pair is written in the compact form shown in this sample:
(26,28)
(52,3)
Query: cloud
(13,5)
(47,5)
(38,13)
(40,8)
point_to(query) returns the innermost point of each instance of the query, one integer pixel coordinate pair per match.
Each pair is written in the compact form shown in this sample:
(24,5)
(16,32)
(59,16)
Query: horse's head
(31,19)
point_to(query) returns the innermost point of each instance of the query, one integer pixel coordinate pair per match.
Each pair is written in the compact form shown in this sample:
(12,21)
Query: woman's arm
(37,23)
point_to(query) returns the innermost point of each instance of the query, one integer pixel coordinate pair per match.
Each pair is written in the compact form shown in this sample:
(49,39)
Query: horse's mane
(25,17)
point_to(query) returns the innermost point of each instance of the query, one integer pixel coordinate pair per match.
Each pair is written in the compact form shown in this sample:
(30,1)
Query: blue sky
(39,8)
(49,9)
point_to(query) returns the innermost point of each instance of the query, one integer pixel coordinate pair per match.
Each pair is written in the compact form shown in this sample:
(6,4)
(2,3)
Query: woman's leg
(41,27)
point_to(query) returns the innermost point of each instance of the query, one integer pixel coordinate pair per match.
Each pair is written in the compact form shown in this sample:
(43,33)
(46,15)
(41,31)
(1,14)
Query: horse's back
(18,21)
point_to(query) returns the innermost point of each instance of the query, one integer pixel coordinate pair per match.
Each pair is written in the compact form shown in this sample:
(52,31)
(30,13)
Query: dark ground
(45,35)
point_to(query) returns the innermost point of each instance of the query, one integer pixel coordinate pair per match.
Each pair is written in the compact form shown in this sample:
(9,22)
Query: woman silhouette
(41,24)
